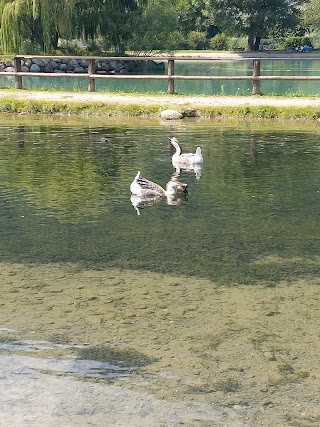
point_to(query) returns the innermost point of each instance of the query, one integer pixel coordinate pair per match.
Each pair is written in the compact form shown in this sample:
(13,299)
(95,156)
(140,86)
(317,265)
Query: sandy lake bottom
(184,351)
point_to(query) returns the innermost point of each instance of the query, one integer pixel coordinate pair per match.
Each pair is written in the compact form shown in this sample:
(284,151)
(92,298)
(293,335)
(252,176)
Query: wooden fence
(170,77)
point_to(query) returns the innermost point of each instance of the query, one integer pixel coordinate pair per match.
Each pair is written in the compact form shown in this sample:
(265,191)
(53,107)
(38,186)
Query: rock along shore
(65,65)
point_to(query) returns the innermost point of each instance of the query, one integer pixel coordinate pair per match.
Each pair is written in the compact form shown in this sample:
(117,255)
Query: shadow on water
(250,217)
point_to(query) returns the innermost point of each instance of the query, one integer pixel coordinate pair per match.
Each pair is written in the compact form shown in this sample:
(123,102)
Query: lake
(305,67)
(201,311)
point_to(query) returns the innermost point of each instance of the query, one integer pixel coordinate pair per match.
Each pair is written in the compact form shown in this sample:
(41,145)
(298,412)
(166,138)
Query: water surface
(65,197)
(200,313)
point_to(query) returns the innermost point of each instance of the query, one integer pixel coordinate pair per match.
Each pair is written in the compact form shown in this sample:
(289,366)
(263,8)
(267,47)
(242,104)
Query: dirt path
(177,101)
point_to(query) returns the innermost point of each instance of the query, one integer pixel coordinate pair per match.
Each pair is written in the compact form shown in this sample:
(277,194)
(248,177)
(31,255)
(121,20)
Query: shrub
(196,40)
(295,42)
(236,43)
(219,42)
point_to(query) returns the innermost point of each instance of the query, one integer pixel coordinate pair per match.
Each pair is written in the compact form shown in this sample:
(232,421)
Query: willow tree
(44,21)
(110,19)
(40,21)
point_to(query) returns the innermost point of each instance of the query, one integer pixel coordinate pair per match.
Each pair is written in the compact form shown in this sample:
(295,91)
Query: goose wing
(144,187)
(149,186)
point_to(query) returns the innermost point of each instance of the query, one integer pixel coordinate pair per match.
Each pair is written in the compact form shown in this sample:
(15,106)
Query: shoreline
(112,104)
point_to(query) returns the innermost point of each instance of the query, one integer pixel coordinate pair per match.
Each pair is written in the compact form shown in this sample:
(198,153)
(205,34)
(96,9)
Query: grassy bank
(11,104)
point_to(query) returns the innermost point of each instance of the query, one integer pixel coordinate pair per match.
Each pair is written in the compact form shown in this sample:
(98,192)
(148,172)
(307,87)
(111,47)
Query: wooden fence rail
(171,77)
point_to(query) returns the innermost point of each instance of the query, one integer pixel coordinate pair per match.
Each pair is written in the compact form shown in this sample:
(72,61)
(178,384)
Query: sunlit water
(202,68)
(65,197)
(81,267)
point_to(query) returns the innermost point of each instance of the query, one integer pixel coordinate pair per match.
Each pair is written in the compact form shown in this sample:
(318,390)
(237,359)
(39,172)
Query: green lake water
(251,216)
(215,68)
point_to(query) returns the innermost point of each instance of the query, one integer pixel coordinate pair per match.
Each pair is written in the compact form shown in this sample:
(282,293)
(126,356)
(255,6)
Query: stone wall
(61,65)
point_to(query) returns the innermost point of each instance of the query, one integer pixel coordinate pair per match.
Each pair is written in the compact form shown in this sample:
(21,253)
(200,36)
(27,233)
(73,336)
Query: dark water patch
(124,358)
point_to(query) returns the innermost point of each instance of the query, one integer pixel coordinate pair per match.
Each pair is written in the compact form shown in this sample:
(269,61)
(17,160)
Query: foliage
(38,21)
(295,42)
(311,14)
(112,19)
(256,18)
(47,26)
(315,39)
(219,42)
(43,22)
(236,43)
(196,40)
(192,15)
(153,28)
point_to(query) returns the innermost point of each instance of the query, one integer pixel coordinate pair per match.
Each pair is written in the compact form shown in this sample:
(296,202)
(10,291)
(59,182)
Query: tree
(256,18)
(111,19)
(39,21)
(192,15)
(44,21)
(155,27)
(312,14)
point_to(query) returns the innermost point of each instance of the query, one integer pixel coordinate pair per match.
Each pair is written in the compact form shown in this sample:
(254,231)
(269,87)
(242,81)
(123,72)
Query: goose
(185,159)
(144,188)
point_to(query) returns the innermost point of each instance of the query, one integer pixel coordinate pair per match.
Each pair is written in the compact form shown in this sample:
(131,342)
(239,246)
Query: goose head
(175,142)
(174,187)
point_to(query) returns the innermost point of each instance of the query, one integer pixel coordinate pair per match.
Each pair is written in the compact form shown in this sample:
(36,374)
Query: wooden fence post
(256,73)
(92,82)
(170,73)
(17,69)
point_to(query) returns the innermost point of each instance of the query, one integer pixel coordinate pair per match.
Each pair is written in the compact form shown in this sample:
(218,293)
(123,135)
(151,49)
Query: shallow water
(203,313)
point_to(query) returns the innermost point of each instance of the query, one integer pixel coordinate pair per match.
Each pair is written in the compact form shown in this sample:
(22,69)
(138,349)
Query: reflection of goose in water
(197,169)
(185,159)
(144,188)
(139,202)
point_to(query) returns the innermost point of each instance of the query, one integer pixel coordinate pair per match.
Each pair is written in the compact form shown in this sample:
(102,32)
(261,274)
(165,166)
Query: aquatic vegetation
(126,357)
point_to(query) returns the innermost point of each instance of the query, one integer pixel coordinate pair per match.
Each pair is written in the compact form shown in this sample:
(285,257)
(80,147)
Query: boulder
(63,67)
(73,63)
(170,115)
(78,70)
(54,65)
(113,65)
(35,68)
(38,62)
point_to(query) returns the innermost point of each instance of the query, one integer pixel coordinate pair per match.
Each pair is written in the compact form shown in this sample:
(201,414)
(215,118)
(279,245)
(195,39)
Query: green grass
(93,108)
